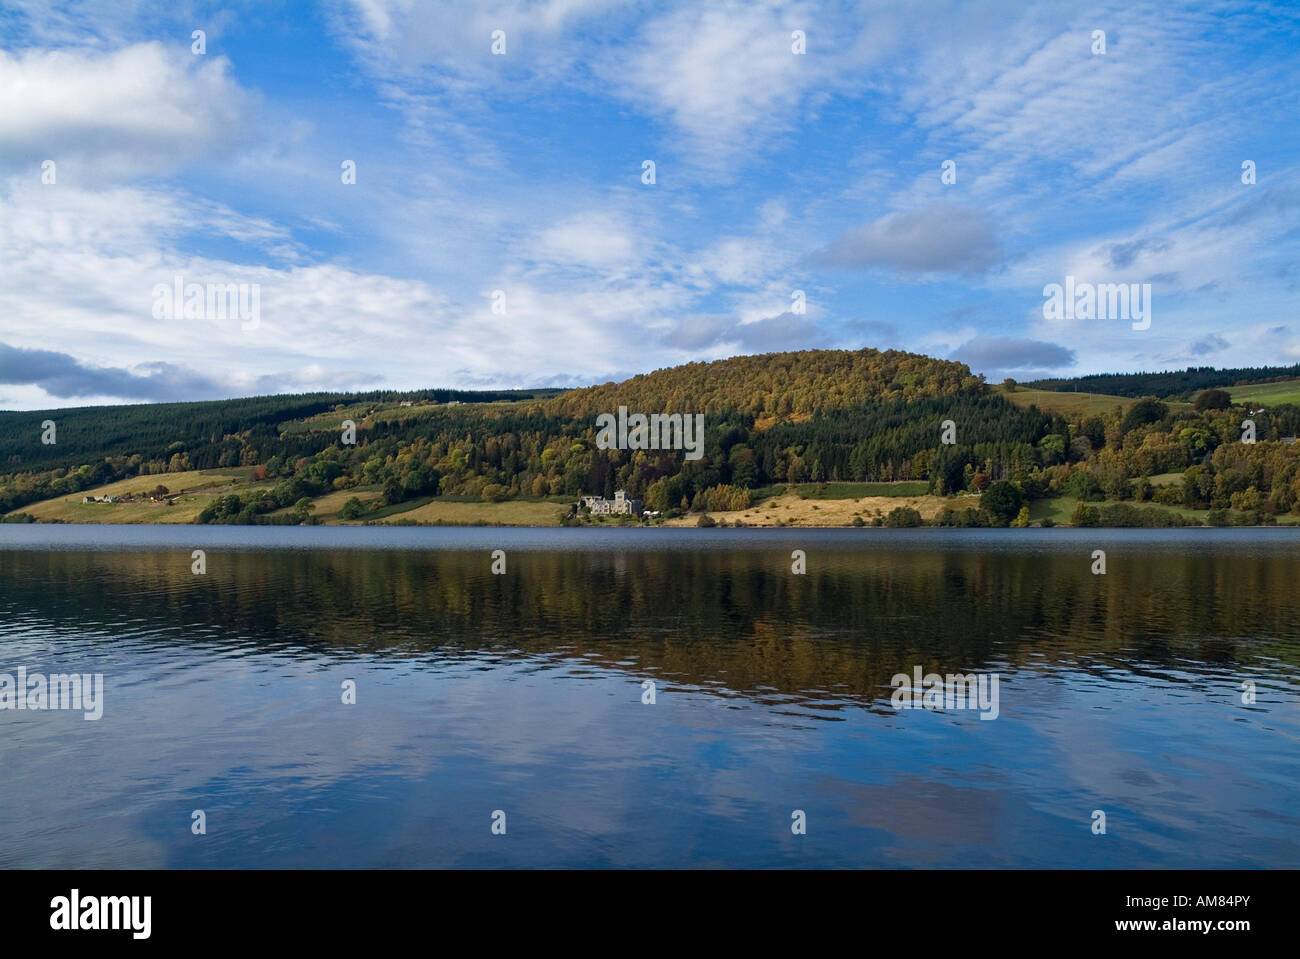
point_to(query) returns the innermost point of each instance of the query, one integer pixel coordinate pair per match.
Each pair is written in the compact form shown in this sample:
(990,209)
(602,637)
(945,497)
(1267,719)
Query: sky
(457,194)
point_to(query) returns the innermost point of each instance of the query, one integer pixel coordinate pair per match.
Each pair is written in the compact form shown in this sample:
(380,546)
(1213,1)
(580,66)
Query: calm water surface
(522,692)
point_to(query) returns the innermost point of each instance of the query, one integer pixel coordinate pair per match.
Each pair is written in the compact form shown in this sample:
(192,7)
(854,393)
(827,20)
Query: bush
(1002,501)
(1082,485)
(903,516)
(1171,495)
(1085,515)
(352,509)
(706,521)
(1126,515)
(495,492)
(1212,400)
(963,518)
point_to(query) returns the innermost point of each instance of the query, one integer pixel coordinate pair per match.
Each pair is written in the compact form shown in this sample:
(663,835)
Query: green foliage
(963,518)
(1144,411)
(1085,515)
(903,516)
(1002,501)
(722,498)
(841,423)
(1212,400)
(1176,383)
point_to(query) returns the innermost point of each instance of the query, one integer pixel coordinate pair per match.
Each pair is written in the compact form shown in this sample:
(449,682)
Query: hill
(1175,383)
(827,421)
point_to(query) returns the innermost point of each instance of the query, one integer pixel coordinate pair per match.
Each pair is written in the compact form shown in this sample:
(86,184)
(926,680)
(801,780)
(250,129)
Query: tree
(903,516)
(1053,447)
(1085,515)
(1022,518)
(1212,400)
(1002,501)
(1144,411)
(352,509)
(1009,385)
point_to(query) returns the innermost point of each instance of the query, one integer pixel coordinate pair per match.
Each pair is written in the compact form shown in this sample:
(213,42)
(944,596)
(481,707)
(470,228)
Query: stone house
(619,505)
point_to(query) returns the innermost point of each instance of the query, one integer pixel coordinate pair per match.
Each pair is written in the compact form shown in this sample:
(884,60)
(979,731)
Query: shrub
(1212,400)
(964,518)
(1126,515)
(903,516)
(495,492)
(1085,515)
(1002,501)
(1171,495)
(706,521)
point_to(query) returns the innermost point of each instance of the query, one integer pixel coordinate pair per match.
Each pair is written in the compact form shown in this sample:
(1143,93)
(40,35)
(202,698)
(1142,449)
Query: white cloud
(132,111)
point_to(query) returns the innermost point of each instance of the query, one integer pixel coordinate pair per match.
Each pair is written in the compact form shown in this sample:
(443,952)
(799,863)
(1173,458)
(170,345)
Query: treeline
(1175,384)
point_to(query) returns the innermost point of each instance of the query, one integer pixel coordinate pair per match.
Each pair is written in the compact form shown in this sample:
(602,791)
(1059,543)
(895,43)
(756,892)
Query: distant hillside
(1176,384)
(205,430)
(778,384)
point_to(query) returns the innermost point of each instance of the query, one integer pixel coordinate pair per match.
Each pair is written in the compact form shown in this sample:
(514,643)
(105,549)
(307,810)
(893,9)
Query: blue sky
(522,173)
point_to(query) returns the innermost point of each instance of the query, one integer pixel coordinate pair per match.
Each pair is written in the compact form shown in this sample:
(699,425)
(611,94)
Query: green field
(1267,394)
(846,490)
(1165,479)
(1050,401)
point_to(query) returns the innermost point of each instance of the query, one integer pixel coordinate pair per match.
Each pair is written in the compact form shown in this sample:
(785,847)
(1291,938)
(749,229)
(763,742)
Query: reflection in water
(522,692)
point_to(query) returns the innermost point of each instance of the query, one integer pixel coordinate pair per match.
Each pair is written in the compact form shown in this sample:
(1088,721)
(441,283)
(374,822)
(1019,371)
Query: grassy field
(1050,401)
(197,488)
(788,509)
(1267,394)
(328,506)
(1165,479)
(821,491)
(509,513)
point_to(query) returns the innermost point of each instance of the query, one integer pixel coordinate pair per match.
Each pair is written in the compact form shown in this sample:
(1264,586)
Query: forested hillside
(1176,384)
(815,416)
(778,384)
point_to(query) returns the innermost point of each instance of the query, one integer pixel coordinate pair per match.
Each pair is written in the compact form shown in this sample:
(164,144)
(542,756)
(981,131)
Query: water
(523,693)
